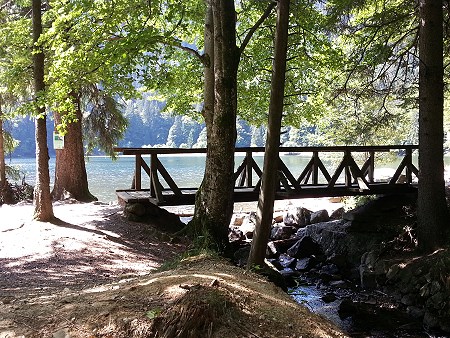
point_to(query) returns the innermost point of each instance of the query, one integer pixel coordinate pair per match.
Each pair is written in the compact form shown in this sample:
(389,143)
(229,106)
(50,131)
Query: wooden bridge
(315,180)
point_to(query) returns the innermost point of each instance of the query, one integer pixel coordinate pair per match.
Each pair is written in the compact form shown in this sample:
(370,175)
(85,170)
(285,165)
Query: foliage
(103,123)
(353,202)
(377,88)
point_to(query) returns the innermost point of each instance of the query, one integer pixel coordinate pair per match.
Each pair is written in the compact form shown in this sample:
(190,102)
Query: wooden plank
(304,176)
(240,171)
(167,177)
(399,170)
(323,169)
(358,175)
(155,185)
(284,169)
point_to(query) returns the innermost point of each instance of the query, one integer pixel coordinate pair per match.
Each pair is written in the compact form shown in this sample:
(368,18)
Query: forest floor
(92,273)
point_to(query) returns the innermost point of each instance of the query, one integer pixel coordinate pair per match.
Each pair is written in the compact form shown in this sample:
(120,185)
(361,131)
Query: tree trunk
(214,203)
(432,210)
(70,171)
(270,179)
(2,151)
(43,208)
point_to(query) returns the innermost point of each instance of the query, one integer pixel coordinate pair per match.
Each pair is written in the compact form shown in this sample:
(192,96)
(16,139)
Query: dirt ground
(92,274)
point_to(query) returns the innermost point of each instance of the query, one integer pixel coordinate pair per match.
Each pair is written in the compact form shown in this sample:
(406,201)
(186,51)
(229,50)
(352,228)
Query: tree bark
(70,171)
(432,212)
(214,203)
(2,151)
(43,208)
(270,179)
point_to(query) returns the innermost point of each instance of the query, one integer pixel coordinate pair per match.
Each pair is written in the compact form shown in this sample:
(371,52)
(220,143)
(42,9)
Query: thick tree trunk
(214,203)
(432,209)
(70,171)
(270,179)
(43,208)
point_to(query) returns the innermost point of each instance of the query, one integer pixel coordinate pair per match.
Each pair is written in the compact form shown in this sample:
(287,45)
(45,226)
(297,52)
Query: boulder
(280,231)
(137,209)
(305,264)
(319,216)
(305,247)
(329,297)
(337,214)
(298,217)
(248,225)
(278,217)
(241,256)
(235,235)
(286,261)
(152,214)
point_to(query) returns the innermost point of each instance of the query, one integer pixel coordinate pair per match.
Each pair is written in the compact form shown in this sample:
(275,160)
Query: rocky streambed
(358,268)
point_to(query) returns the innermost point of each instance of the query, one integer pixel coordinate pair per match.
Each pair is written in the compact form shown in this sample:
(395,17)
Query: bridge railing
(317,175)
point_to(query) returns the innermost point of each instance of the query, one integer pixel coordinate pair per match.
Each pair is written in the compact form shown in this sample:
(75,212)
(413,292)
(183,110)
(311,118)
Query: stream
(373,317)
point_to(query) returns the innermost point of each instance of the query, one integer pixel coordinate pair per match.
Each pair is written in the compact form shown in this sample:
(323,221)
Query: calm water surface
(106,175)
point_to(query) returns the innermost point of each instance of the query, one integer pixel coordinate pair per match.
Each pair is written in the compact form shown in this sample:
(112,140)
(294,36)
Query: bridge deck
(249,194)
(316,180)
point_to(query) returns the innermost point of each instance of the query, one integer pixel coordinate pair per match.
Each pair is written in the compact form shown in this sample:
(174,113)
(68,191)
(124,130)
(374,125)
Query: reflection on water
(105,175)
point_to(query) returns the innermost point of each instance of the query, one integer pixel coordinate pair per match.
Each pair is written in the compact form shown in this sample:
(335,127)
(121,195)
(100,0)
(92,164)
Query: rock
(430,321)
(368,278)
(286,261)
(237,220)
(241,256)
(425,291)
(347,308)
(329,297)
(435,287)
(304,264)
(319,217)
(339,284)
(415,312)
(235,235)
(437,301)
(375,213)
(282,232)
(337,214)
(152,214)
(408,299)
(335,199)
(136,209)
(248,225)
(330,269)
(278,218)
(305,247)
(284,244)
(339,260)
(271,247)
(287,272)
(298,217)
(393,272)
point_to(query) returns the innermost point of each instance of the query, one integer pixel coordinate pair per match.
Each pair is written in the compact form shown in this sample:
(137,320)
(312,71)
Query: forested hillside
(150,127)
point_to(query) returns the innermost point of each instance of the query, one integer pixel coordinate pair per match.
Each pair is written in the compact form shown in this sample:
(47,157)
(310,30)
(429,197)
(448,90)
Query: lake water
(106,175)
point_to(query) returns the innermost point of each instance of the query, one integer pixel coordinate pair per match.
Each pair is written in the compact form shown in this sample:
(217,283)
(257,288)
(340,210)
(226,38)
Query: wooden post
(348,174)
(315,177)
(155,185)
(249,178)
(137,172)
(371,170)
(408,165)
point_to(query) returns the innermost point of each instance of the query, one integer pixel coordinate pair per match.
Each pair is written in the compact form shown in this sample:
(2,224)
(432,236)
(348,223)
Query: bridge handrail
(356,177)
(149,151)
